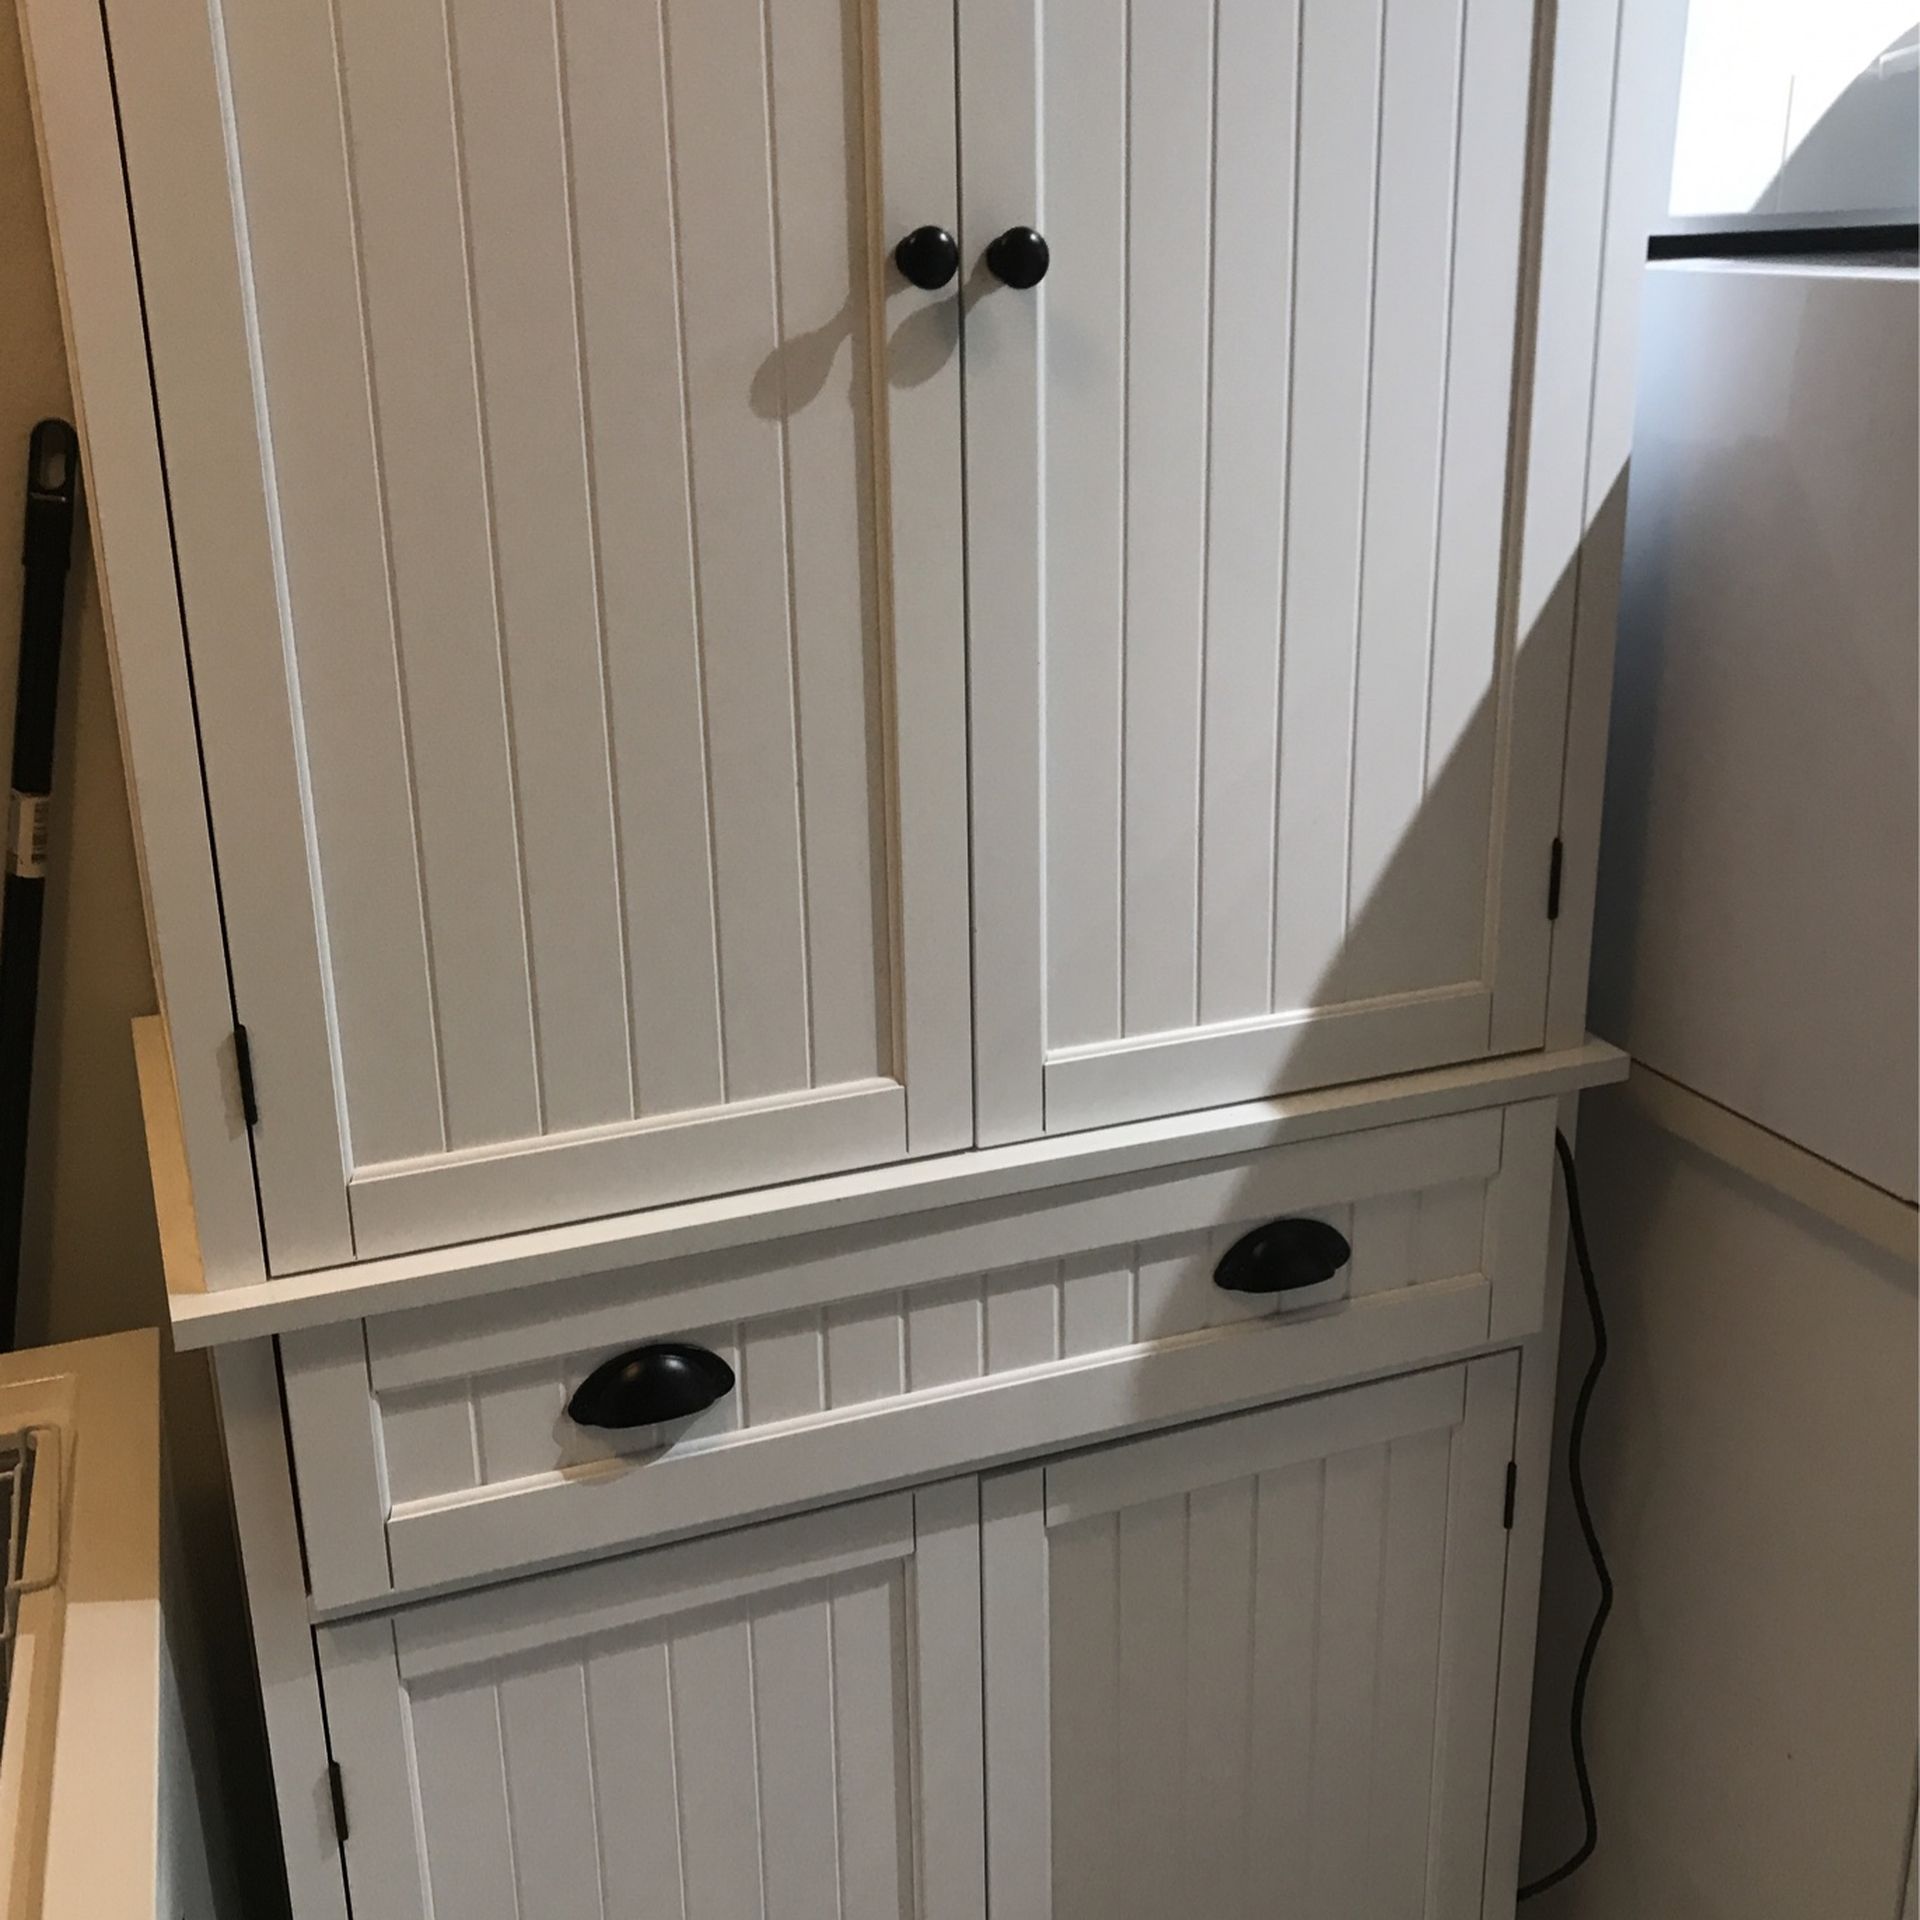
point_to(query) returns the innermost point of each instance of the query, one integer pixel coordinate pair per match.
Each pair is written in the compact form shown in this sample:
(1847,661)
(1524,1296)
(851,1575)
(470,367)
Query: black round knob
(929,257)
(1019,257)
(649,1385)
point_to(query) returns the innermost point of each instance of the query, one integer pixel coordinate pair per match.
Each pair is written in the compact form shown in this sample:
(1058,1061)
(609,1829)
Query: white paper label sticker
(27,817)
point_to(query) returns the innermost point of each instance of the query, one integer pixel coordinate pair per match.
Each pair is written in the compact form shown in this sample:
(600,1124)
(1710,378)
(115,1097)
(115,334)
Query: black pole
(53,464)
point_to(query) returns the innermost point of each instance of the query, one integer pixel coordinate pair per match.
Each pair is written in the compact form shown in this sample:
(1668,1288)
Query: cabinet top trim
(208,1317)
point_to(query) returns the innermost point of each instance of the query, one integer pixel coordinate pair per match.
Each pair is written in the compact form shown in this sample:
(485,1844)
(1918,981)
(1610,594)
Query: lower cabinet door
(782,1722)
(1249,1668)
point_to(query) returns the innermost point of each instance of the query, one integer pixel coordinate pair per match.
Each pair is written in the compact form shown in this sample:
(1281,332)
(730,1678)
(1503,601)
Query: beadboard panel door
(1252,1662)
(779,1724)
(1237,483)
(590,430)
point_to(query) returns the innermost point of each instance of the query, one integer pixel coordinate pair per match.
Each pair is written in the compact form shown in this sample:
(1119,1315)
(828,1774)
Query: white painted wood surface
(438,1448)
(568,592)
(1238,474)
(97,277)
(1249,1657)
(228,560)
(984,1182)
(747,1726)
(267,1524)
(605,868)
(548,1519)
(1534,1419)
(1642,104)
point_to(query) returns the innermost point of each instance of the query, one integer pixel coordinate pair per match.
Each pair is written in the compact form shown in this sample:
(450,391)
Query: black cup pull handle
(649,1385)
(1282,1256)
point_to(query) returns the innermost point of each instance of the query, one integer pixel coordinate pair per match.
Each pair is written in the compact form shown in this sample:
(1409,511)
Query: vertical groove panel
(819,381)
(1172,1292)
(718,86)
(1288,1546)
(515,1417)
(631,1735)
(1382,1235)
(1252,296)
(712,1703)
(633,368)
(1333,310)
(304,243)
(520,222)
(870,1742)
(1169,197)
(784,1367)
(1153,1658)
(398,90)
(865,1350)
(1220,1620)
(793,1713)
(1023,1321)
(1398,875)
(945,1334)
(550,1793)
(1303,811)
(1096,1302)
(463,1803)
(1084,121)
(1083,1588)
(1346,1672)
(426,1443)
(1462,721)
(1404,1709)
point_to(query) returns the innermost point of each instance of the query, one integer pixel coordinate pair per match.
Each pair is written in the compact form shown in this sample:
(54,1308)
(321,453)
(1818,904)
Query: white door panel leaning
(576,356)
(1237,476)
(781,1722)
(1252,1662)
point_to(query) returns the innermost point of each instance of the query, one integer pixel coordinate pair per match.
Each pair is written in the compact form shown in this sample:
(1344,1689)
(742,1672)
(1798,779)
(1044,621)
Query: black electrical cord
(1576,1436)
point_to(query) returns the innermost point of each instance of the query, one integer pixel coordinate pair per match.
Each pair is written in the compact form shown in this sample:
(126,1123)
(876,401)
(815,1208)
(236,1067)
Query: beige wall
(90,1261)
(1751,1462)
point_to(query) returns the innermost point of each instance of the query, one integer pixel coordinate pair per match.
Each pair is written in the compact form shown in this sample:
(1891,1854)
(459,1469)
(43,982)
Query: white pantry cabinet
(892,708)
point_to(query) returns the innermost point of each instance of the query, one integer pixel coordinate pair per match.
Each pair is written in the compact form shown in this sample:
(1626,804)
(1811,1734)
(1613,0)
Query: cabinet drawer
(435,1446)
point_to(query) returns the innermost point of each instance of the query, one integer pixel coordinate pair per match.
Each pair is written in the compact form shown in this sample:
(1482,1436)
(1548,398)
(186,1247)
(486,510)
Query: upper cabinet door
(1247,761)
(549,429)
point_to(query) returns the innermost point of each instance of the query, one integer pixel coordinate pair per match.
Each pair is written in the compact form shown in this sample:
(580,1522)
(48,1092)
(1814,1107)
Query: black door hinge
(1553,878)
(337,1788)
(1513,1482)
(243,1064)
